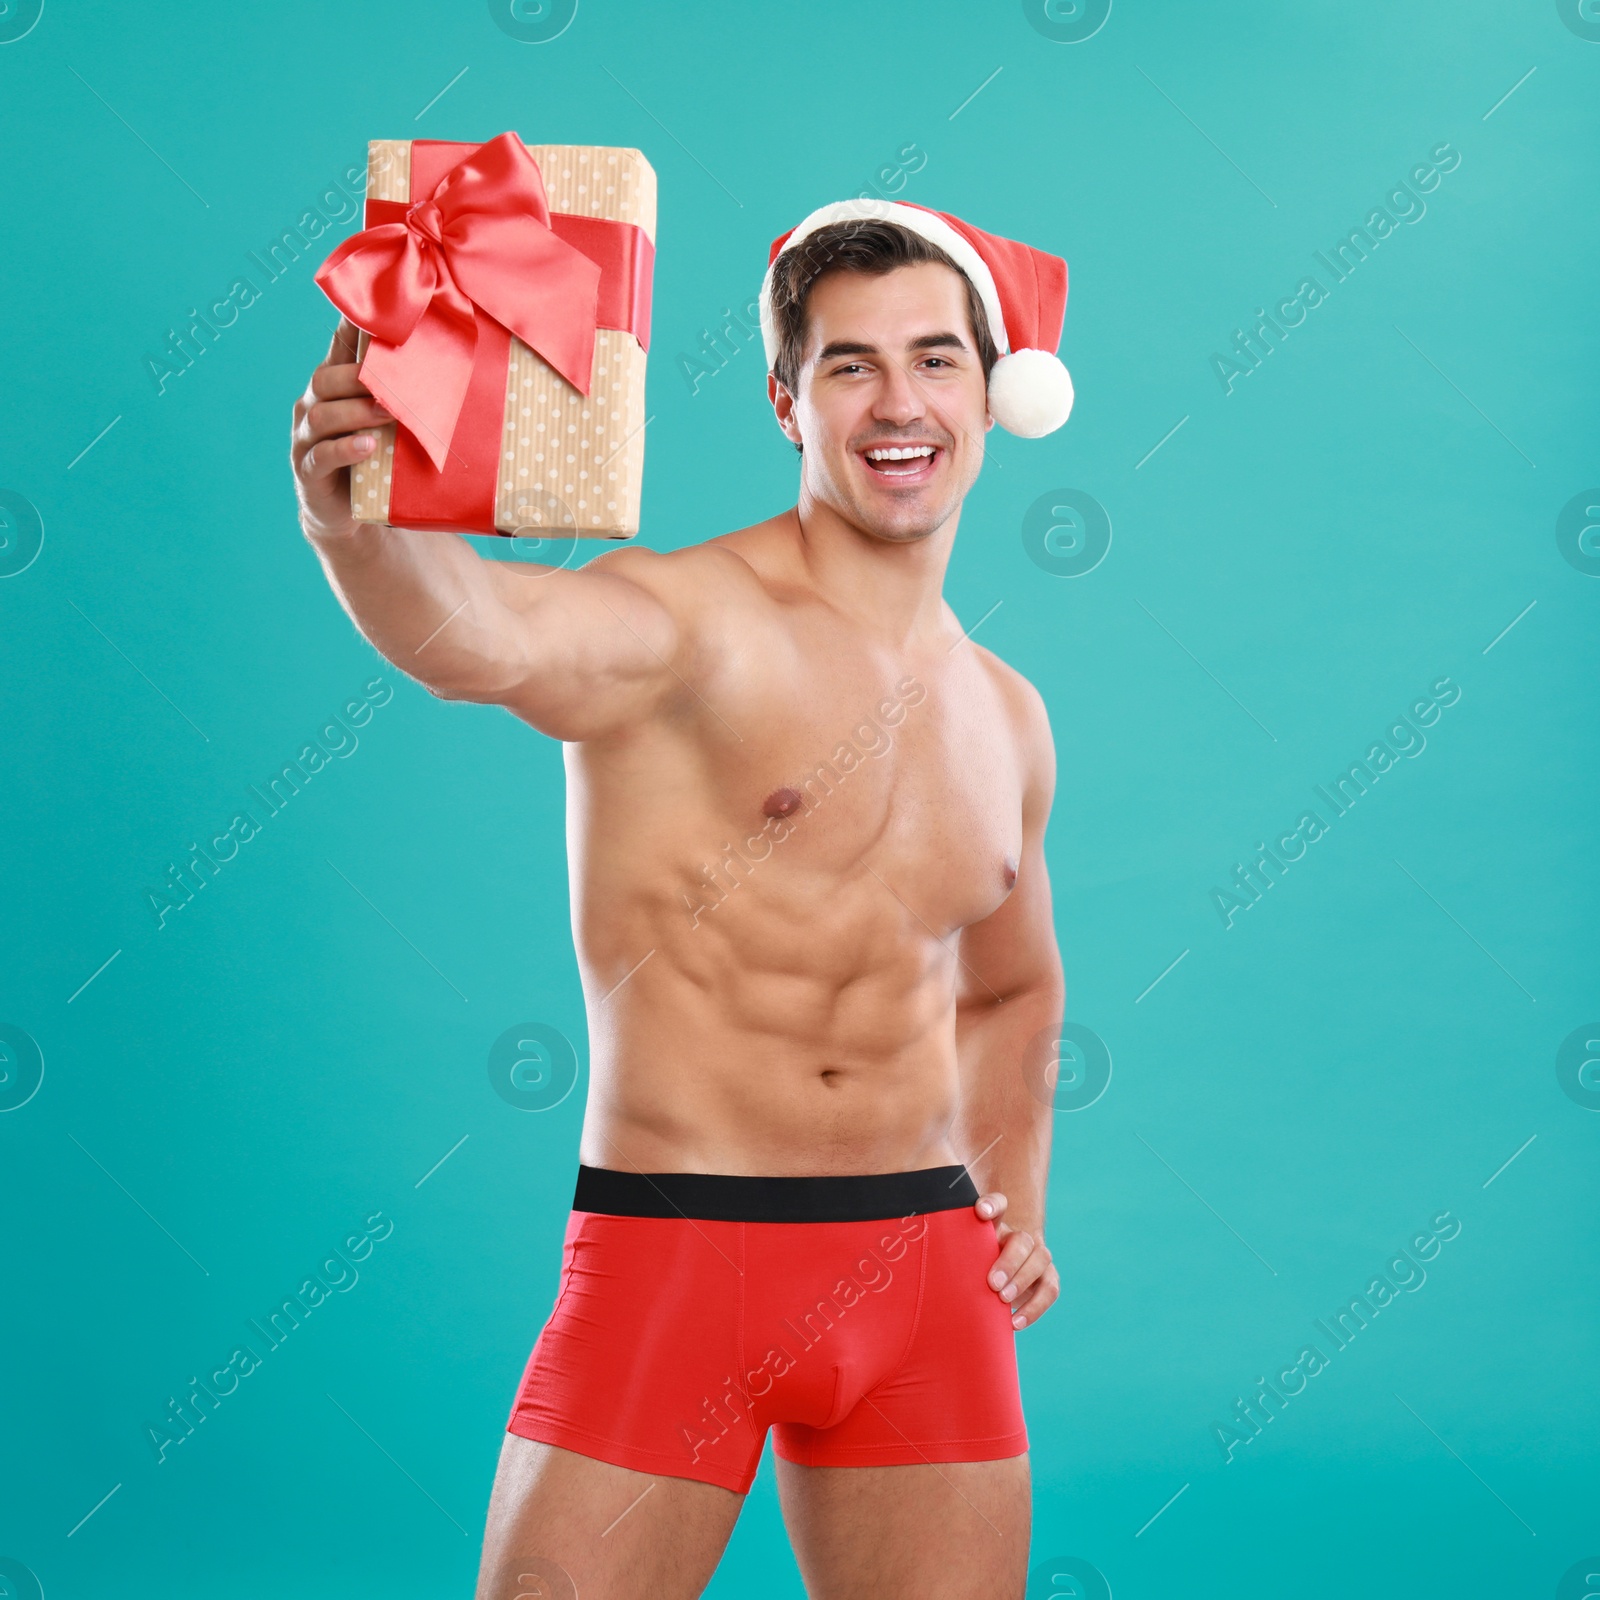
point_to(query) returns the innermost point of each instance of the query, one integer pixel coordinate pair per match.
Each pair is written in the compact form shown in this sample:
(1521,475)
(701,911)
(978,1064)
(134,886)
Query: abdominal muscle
(801,1025)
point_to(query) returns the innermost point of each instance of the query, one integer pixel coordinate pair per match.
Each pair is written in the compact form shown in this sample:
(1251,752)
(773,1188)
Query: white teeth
(893,453)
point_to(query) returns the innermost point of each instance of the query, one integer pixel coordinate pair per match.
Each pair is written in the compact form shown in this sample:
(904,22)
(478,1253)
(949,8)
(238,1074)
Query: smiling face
(892,403)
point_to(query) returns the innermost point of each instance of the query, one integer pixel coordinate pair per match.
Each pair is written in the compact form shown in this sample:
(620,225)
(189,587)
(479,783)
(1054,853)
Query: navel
(781,803)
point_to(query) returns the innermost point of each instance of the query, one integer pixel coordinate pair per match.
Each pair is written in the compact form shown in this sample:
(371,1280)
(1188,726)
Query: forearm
(425,600)
(1003,1128)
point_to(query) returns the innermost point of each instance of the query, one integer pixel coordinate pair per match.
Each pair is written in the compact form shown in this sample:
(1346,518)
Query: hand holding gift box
(503,291)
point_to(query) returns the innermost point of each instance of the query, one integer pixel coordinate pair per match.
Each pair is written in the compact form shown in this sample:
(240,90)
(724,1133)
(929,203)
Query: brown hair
(867,246)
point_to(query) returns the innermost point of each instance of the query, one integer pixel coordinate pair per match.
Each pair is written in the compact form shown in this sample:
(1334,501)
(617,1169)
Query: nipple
(781,803)
(1008,872)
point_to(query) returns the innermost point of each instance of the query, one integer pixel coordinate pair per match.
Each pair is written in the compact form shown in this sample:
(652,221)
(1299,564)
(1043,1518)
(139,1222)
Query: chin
(901,529)
(903,522)
(895,520)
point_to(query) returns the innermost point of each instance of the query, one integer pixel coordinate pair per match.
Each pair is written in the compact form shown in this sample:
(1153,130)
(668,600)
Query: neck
(893,588)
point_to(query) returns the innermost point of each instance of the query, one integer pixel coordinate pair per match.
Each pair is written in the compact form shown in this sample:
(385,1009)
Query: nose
(899,398)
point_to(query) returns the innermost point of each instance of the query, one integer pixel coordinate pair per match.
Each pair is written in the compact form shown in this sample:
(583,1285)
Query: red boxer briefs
(851,1315)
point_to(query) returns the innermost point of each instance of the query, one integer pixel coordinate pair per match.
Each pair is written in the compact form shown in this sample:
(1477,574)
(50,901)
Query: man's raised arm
(574,653)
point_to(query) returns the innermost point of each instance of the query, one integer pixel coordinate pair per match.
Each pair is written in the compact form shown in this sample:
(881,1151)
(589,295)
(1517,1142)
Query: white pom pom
(1030,393)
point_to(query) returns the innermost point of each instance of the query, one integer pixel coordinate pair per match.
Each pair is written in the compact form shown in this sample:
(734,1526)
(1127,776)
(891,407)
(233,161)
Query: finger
(330,417)
(329,455)
(1045,1294)
(1013,1252)
(990,1206)
(1032,1268)
(338,382)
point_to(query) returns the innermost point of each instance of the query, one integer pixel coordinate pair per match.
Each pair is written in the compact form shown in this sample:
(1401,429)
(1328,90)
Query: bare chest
(865,768)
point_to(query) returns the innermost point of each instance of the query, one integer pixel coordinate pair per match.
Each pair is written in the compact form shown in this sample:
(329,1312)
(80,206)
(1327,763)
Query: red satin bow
(473,249)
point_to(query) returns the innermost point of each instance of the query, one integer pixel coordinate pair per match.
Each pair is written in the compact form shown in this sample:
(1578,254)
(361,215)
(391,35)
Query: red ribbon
(441,282)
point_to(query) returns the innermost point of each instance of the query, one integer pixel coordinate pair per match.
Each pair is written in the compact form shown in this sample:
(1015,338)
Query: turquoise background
(1371,510)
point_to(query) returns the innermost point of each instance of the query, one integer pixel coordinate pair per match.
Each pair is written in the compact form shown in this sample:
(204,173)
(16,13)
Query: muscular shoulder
(1029,719)
(695,576)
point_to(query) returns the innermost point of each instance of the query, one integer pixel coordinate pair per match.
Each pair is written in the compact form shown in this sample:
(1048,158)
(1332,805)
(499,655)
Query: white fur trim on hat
(932,228)
(1030,393)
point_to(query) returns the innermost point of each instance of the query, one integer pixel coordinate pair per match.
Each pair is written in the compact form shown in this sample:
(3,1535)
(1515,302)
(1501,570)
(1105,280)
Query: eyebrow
(928,341)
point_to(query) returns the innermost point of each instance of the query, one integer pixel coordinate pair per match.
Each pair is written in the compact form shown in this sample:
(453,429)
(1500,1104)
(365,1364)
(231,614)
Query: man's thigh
(562,1525)
(955,1529)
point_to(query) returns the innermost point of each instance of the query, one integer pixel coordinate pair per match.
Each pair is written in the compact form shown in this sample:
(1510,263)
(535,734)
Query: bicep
(1014,948)
(591,650)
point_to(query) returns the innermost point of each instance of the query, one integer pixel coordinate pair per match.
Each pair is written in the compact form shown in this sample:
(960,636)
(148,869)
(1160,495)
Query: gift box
(503,293)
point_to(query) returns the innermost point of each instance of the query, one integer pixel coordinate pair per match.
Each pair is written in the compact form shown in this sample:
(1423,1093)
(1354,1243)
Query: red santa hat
(1023,290)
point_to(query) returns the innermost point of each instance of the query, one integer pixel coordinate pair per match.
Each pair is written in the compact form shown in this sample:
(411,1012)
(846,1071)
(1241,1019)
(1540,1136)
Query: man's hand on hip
(1024,1276)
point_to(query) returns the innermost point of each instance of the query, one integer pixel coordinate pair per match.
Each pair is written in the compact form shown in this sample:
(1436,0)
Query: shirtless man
(813,922)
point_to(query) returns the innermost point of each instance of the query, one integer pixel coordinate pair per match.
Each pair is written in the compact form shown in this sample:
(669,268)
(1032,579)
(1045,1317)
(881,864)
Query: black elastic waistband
(724,1197)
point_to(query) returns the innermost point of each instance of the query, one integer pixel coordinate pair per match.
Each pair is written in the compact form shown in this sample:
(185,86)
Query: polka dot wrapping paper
(569,464)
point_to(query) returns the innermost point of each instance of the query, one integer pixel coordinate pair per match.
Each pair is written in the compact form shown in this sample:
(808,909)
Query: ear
(783,409)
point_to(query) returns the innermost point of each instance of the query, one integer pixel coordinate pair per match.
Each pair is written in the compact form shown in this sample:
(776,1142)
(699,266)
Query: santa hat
(1023,290)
